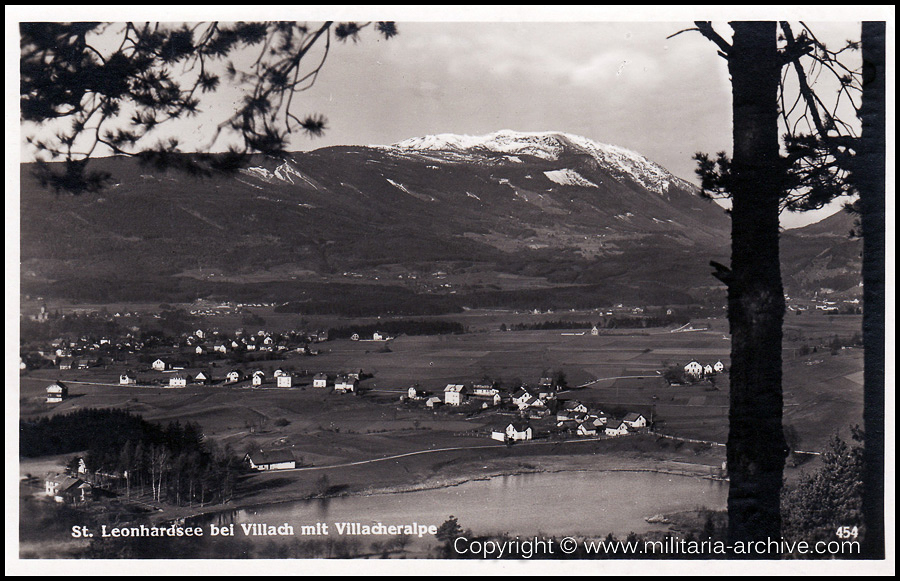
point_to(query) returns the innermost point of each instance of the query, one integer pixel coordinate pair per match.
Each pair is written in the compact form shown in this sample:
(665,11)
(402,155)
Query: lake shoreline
(613,463)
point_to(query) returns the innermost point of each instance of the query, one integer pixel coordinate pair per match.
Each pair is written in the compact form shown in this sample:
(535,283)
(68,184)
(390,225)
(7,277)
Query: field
(619,370)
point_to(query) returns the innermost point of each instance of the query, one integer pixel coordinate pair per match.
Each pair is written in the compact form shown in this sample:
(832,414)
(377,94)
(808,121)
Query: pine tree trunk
(870,175)
(756,447)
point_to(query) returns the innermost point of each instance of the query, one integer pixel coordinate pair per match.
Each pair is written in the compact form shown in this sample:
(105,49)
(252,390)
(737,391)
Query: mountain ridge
(509,212)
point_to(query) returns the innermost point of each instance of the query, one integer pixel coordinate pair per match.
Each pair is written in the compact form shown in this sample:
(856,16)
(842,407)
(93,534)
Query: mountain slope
(490,218)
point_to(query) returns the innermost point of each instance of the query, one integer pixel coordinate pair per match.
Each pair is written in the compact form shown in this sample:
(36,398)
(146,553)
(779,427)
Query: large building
(455,394)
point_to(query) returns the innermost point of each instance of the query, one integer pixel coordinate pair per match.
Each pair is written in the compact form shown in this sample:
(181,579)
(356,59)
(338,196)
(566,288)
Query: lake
(553,504)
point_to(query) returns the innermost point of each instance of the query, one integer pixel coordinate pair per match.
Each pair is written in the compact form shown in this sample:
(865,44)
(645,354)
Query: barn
(271,460)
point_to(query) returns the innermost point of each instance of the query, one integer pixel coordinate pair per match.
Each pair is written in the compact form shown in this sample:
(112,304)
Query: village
(521,412)
(276,393)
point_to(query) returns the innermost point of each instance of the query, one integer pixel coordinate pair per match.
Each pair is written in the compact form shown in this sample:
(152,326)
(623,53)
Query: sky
(610,75)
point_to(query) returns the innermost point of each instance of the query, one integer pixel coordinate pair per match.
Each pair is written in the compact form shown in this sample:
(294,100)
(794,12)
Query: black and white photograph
(511,289)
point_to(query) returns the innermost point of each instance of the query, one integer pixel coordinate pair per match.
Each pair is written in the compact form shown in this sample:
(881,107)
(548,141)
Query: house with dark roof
(56,392)
(515,430)
(346,384)
(616,428)
(524,399)
(586,429)
(635,420)
(64,488)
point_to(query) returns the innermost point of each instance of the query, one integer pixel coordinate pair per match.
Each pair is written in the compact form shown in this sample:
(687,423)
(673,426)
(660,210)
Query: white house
(127,378)
(271,460)
(354,337)
(719,367)
(258,377)
(433,401)
(708,370)
(516,431)
(693,369)
(484,390)
(233,376)
(523,399)
(56,392)
(376,336)
(616,428)
(345,384)
(159,365)
(455,394)
(278,373)
(635,420)
(178,381)
(63,488)
(320,380)
(575,406)
(587,429)
(203,377)
(284,380)
(595,331)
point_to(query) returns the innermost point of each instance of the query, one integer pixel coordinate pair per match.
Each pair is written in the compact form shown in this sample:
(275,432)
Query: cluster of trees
(833,345)
(611,322)
(128,454)
(824,501)
(72,325)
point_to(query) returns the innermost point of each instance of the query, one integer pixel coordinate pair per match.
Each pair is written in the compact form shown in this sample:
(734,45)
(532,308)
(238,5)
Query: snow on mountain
(258,172)
(405,190)
(549,146)
(286,170)
(569,177)
(542,145)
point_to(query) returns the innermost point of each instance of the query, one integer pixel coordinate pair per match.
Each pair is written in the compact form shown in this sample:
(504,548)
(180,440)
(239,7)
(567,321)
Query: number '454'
(847,532)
